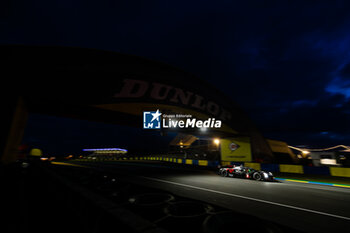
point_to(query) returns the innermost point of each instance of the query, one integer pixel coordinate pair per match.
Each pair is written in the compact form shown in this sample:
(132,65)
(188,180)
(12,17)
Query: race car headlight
(266,175)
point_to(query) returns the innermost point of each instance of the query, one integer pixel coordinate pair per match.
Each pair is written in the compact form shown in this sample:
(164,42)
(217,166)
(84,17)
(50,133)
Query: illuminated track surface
(306,207)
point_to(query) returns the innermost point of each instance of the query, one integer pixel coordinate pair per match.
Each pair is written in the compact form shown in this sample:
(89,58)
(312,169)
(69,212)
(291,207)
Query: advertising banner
(236,149)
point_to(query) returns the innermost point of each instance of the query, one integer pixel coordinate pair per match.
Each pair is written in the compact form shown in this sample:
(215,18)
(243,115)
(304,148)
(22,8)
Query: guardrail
(283,168)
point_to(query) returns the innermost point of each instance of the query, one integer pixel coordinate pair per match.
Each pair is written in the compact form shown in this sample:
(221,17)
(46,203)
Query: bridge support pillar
(14,118)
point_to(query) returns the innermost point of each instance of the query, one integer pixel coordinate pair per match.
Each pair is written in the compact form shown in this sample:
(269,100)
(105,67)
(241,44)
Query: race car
(245,172)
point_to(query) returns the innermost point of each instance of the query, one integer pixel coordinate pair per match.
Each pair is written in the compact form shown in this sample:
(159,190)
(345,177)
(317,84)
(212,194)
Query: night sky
(287,63)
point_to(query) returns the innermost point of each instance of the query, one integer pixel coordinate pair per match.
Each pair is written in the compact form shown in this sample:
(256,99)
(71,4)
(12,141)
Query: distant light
(328,161)
(305,152)
(24,165)
(102,149)
(216,141)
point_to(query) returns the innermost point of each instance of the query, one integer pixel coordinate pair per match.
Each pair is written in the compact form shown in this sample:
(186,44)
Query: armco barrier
(291,168)
(189,161)
(255,166)
(203,162)
(316,170)
(270,167)
(340,171)
(213,163)
(223,163)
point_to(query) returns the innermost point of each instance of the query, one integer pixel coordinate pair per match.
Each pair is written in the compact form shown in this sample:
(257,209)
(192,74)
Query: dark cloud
(323,123)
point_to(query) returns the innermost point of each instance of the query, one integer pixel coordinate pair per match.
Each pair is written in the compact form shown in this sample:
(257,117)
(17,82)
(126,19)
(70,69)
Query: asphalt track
(305,207)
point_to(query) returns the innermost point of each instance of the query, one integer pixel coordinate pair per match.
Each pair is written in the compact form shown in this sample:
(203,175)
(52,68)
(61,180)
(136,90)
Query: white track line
(249,198)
